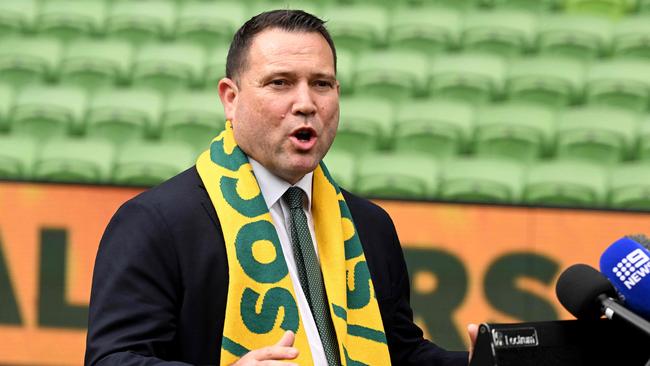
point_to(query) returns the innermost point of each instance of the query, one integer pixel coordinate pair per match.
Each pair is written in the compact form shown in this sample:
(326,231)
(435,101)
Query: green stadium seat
(542,6)
(474,78)
(141,21)
(620,83)
(518,131)
(215,67)
(192,117)
(629,186)
(631,35)
(122,115)
(46,111)
(94,64)
(566,183)
(482,180)
(209,24)
(342,168)
(365,124)
(147,164)
(74,161)
(599,134)
(580,36)
(644,140)
(345,67)
(17,155)
(26,60)
(611,8)
(501,32)
(440,128)
(462,5)
(67,19)
(17,16)
(410,176)
(6,102)
(168,66)
(357,27)
(431,30)
(551,81)
(397,75)
(644,6)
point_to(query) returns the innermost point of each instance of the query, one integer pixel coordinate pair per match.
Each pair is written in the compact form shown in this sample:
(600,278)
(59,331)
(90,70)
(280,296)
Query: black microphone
(587,294)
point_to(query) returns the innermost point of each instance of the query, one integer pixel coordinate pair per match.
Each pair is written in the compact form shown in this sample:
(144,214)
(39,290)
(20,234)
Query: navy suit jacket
(161,278)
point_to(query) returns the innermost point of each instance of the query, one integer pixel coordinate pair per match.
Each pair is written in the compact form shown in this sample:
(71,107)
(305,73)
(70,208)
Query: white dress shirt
(273,188)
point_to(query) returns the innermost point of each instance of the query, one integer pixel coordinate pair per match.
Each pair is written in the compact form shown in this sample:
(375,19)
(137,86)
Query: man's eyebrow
(291,74)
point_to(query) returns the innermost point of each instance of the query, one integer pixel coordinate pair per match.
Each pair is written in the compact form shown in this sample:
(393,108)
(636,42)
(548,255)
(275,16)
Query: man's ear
(228,93)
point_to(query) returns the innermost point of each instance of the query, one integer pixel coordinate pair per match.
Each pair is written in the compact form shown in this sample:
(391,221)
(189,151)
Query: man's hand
(472,330)
(272,355)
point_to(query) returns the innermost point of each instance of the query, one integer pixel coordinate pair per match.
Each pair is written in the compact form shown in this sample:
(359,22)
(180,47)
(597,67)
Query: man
(255,256)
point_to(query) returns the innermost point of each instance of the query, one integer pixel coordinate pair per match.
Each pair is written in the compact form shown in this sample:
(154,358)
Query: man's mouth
(304,138)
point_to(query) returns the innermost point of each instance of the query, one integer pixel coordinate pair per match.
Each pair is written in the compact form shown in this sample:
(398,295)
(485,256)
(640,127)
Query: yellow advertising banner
(468,263)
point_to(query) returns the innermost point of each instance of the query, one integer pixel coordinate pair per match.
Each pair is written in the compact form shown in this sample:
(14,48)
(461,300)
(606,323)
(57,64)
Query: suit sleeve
(406,341)
(136,292)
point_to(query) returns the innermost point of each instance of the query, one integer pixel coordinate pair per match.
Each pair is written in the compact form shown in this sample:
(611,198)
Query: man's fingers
(274,353)
(287,339)
(472,330)
(277,363)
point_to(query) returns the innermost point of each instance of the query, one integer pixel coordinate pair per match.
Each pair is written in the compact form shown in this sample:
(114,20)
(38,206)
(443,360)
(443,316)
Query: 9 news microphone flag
(626,264)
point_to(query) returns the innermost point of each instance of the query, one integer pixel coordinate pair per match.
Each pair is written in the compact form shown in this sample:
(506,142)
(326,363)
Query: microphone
(626,264)
(587,294)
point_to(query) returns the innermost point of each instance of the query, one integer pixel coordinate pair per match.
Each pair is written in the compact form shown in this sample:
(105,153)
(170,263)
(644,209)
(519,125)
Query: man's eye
(324,84)
(278,82)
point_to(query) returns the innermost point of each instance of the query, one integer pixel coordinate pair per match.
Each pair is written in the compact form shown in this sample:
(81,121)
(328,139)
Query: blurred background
(508,139)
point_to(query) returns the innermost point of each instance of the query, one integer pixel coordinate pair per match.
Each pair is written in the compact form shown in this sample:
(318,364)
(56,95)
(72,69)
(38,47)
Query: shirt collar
(273,187)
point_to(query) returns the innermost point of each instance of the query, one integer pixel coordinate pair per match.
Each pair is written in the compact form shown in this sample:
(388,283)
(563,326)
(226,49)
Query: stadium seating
(209,24)
(359,131)
(141,21)
(45,111)
(599,134)
(611,8)
(566,183)
(122,115)
(501,32)
(168,67)
(6,102)
(343,168)
(25,60)
(395,75)
(397,175)
(630,37)
(193,118)
(74,160)
(17,155)
(357,27)
(93,65)
(67,19)
(621,83)
(345,67)
(518,131)
(431,30)
(551,81)
(581,36)
(16,16)
(440,128)
(533,5)
(215,67)
(644,140)
(474,78)
(630,186)
(481,180)
(146,163)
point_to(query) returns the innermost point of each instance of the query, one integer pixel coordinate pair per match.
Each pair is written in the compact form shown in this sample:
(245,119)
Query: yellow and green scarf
(261,302)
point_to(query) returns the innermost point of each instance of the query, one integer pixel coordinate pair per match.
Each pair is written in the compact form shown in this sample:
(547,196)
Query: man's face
(285,106)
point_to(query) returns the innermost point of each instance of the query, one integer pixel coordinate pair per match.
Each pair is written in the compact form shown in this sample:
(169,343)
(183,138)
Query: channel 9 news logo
(633,268)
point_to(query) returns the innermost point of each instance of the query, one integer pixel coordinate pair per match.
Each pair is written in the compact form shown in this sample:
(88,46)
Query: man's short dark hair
(288,20)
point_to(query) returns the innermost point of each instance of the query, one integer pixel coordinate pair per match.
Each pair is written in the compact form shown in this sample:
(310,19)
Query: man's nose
(304,102)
